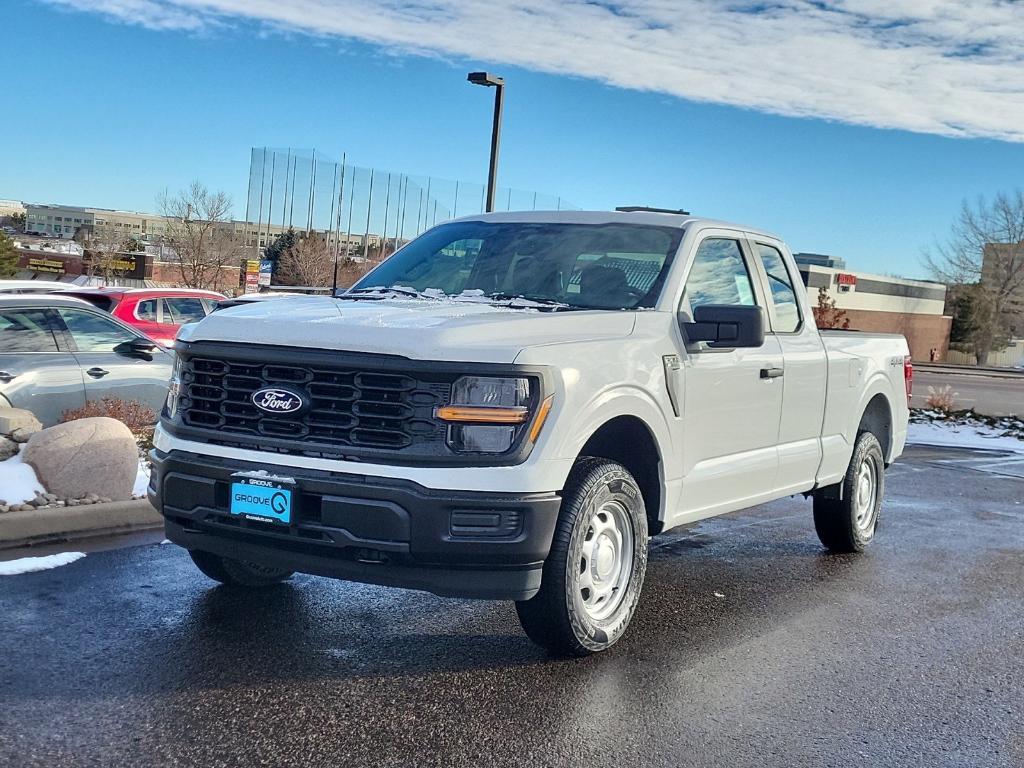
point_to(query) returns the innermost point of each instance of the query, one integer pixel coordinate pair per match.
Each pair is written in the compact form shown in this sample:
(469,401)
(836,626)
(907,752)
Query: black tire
(237,573)
(557,617)
(844,522)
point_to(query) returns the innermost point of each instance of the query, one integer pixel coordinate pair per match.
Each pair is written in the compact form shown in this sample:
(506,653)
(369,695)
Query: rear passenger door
(732,398)
(37,370)
(804,383)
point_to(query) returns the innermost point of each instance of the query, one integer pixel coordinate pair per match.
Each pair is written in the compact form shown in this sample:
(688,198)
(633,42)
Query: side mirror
(137,347)
(726,325)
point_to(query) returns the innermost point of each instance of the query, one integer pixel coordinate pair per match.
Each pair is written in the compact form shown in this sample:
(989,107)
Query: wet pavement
(751,647)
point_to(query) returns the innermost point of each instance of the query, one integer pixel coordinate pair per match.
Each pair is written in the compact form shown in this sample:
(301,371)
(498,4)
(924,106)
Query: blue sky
(833,148)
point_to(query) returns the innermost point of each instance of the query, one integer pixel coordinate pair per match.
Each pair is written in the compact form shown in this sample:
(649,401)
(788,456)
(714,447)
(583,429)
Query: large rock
(18,418)
(7,448)
(88,456)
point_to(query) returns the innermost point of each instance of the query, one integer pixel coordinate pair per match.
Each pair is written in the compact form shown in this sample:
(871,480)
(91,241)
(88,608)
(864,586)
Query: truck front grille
(349,407)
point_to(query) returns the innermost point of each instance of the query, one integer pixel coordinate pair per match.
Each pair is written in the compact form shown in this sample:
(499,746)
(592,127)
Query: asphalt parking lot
(752,647)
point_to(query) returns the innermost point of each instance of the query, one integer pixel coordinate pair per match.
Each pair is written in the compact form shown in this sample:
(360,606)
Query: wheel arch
(876,418)
(629,441)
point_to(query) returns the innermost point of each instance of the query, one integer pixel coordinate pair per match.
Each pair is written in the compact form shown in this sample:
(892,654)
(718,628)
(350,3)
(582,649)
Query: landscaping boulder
(96,456)
(12,419)
(7,448)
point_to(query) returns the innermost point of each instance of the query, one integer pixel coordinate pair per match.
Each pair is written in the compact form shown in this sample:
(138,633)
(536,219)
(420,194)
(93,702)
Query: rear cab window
(783,294)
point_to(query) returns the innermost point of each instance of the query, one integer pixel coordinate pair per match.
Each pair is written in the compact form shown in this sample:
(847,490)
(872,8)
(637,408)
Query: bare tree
(199,231)
(104,246)
(985,255)
(827,314)
(308,262)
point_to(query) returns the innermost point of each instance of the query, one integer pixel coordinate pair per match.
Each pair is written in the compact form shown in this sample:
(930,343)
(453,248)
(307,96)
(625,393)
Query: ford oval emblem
(277,400)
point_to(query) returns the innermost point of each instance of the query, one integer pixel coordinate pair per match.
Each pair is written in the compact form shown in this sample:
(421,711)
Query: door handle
(97,373)
(771,373)
(6,377)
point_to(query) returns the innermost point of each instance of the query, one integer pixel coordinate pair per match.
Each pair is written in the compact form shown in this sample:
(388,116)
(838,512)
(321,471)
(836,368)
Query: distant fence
(1011,357)
(361,211)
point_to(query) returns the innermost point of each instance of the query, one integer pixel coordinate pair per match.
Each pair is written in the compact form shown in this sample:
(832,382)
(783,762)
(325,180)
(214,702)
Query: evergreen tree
(281,245)
(8,256)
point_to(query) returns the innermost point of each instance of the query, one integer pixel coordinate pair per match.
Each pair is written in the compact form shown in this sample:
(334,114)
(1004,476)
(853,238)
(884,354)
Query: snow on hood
(422,329)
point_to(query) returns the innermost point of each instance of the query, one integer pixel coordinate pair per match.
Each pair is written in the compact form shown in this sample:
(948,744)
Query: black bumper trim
(367,529)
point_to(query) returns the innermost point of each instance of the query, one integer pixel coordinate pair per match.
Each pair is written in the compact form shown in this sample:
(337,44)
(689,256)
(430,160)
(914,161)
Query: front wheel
(237,573)
(846,515)
(595,569)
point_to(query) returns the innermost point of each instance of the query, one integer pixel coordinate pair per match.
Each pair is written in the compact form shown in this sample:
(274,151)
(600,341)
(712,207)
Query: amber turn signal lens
(482,414)
(542,414)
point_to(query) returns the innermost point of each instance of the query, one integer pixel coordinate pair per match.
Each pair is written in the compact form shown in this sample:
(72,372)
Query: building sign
(266,271)
(846,281)
(46,265)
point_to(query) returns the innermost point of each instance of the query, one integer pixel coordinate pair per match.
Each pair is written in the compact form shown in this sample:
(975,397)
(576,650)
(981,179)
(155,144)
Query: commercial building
(882,304)
(63,221)
(11,208)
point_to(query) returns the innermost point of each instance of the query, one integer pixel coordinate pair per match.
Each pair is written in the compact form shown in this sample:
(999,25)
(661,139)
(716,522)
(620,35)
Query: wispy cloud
(950,67)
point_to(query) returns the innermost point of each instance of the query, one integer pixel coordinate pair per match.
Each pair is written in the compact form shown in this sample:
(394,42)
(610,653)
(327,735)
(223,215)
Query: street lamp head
(485,78)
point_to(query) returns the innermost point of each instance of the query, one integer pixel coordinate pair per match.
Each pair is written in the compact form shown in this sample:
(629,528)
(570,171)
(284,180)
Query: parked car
(57,352)
(157,312)
(509,407)
(31,286)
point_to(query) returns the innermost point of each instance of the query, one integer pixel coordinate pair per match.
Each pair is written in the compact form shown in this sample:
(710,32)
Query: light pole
(498,83)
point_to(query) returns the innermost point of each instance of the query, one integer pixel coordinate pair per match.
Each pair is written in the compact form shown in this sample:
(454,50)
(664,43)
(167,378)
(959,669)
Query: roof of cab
(649,218)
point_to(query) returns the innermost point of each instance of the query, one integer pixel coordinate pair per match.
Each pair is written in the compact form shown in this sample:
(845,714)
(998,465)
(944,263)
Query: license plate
(262,500)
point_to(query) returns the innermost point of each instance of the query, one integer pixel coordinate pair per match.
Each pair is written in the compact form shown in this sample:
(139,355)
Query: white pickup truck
(512,404)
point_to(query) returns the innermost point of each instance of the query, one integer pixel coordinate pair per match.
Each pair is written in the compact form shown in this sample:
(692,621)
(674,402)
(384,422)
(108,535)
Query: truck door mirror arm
(725,326)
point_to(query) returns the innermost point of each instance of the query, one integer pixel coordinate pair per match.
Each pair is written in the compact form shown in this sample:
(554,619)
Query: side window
(26,330)
(146,310)
(184,310)
(718,276)
(92,332)
(787,311)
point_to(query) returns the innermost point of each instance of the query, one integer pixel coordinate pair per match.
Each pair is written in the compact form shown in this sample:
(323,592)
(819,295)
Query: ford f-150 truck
(510,407)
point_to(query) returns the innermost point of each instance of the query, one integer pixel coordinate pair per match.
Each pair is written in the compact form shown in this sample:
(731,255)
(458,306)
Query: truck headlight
(173,389)
(485,412)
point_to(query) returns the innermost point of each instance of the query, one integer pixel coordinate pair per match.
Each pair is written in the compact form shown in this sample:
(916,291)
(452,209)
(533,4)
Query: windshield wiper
(380,292)
(529,301)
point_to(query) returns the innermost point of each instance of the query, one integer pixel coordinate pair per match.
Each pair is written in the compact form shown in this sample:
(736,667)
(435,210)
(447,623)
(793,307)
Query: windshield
(585,266)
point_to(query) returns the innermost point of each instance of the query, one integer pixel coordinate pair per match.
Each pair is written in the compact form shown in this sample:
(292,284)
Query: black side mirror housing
(726,326)
(137,347)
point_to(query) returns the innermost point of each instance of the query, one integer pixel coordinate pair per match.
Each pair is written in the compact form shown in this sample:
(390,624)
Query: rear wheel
(237,573)
(846,515)
(595,570)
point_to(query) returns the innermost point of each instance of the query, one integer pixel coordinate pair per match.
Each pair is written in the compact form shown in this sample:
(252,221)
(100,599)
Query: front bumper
(368,529)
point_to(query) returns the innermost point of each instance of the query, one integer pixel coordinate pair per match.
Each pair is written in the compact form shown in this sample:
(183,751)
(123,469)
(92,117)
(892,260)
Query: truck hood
(420,329)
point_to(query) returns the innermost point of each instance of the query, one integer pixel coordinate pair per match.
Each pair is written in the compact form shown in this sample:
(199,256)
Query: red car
(157,312)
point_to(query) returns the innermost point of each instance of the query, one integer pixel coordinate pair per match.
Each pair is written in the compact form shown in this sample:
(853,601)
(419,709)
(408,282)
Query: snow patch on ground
(32,564)
(948,433)
(141,479)
(18,481)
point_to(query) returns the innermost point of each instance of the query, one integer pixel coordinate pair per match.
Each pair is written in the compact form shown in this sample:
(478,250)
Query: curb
(970,370)
(55,524)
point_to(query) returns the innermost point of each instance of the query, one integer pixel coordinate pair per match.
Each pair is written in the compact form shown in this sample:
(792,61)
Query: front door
(36,372)
(109,368)
(733,397)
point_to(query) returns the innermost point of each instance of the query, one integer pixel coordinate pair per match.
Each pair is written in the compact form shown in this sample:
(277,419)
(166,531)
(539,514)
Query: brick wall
(923,332)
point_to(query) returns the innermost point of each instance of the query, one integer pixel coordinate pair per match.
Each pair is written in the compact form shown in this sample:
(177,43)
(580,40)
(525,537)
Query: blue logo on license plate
(265,502)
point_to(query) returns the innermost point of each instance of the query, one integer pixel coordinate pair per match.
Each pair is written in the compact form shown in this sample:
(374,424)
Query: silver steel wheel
(606,561)
(866,495)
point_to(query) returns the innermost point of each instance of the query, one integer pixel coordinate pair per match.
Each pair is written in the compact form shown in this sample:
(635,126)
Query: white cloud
(950,67)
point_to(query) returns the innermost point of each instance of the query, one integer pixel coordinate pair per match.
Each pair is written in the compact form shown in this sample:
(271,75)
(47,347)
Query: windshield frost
(592,266)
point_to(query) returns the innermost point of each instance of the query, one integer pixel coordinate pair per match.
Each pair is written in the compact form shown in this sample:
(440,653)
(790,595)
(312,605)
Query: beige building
(914,308)
(11,207)
(62,221)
